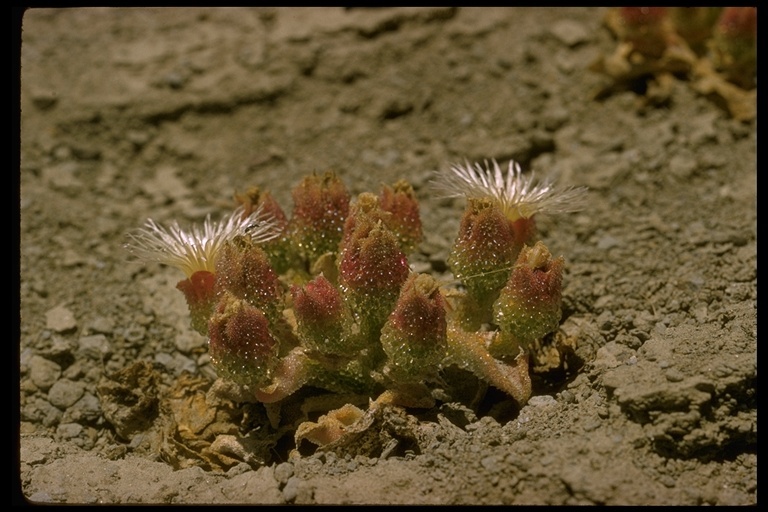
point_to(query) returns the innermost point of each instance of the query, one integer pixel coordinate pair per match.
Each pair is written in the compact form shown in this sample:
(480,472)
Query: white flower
(196,249)
(516,195)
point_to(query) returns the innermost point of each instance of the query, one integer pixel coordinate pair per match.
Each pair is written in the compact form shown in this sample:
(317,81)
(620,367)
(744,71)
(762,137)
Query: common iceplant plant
(715,48)
(327,297)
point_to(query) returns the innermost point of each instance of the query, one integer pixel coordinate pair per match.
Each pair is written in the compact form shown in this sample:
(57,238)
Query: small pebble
(102,325)
(94,347)
(674,375)
(283,472)
(43,373)
(87,409)
(569,32)
(60,319)
(542,401)
(65,393)
(291,489)
(176,363)
(188,341)
(69,430)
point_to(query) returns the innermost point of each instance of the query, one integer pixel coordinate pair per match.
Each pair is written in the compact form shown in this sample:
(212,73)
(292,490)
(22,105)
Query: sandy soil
(165,113)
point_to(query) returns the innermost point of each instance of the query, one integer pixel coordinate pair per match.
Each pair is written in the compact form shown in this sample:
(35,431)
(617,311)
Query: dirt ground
(134,113)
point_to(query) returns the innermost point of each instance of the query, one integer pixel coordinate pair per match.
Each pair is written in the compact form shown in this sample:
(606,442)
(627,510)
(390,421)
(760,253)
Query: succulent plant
(327,297)
(715,48)
(529,305)
(646,29)
(734,45)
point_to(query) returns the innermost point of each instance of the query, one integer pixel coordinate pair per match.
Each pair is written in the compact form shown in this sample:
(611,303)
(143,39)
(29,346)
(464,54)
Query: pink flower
(198,248)
(516,195)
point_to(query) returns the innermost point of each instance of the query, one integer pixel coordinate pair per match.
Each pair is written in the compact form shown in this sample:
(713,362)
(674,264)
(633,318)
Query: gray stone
(569,32)
(283,472)
(43,373)
(39,410)
(291,489)
(65,393)
(61,350)
(87,409)
(69,430)
(542,401)
(74,371)
(683,166)
(41,497)
(188,341)
(94,347)
(176,363)
(102,325)
(60,319)
(674,375)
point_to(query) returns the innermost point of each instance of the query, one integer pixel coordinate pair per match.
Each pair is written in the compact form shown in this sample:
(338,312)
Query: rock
(166,185)
(39,410)
(683,166)
(290,491)
(102,325)
(60,351)
(176,363)
(69,430)
(94,347)
(41,497)
(187,341)
(570,33)
(87,409)
(43,372)
(62,176)
(65,393)
(542,401)
(283,472)
(60,319)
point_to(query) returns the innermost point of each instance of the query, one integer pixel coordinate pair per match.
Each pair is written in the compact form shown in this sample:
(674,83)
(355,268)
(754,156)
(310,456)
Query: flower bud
(372,269)
(414,335)
(244,270)
(734,45)
(256,200)
(240,344)
(529,306)
(278,248)
(199,290)
(484,250)
(366,210)
(321,204)
(405,222)
(694,24)
(321,318)
(646,28)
